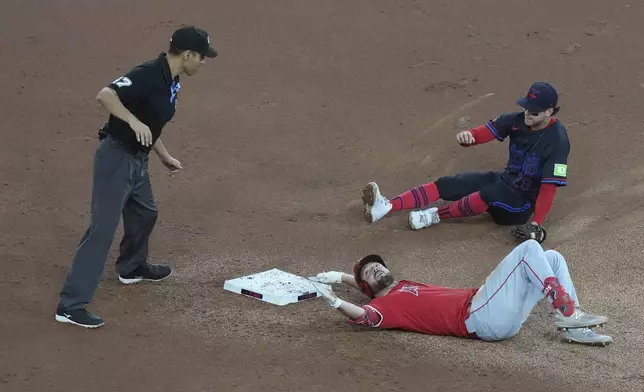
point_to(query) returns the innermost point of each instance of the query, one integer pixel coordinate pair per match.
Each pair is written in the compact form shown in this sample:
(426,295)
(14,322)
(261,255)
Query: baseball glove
(529,231)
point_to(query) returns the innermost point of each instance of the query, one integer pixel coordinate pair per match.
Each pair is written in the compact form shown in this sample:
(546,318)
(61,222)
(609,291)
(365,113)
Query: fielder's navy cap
(541,97)
(192,38)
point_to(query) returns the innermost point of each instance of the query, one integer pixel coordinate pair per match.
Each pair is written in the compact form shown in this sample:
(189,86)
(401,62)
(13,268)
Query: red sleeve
(370,318)
(482,134)
(545,201)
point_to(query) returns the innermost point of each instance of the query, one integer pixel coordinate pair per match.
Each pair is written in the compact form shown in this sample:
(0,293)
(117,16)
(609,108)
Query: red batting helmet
(357,272)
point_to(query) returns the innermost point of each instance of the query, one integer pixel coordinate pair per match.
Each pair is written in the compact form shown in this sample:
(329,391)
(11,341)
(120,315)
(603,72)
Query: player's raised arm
(334,277)
(474,136)
(353,312)
(499,129)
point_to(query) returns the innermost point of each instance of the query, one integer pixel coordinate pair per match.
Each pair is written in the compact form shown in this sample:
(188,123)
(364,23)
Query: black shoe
(147,271)
(80,317)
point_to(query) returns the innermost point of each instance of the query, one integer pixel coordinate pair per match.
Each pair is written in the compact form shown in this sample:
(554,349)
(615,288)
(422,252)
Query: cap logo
(533,94)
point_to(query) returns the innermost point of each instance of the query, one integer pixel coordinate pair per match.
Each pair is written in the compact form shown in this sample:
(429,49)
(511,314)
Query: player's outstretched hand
(330,277)
(328,295)
(465,138)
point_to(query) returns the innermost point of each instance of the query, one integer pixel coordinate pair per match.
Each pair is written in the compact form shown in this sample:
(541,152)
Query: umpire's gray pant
(121,185)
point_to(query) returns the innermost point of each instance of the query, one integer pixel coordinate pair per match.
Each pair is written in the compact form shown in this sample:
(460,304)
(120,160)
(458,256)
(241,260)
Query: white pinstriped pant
(513,289)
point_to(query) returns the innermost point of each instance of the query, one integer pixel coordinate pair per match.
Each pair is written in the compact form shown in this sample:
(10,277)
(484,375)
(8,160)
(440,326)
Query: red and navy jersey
(420,307)
(536,157)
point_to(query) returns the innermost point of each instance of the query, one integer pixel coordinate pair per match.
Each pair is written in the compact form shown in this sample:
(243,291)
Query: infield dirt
(306,103)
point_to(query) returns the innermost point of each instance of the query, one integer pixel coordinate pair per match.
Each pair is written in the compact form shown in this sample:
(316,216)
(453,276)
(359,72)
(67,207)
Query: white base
(274,286)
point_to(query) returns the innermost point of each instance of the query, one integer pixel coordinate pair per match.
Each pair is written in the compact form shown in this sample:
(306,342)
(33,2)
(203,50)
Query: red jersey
(420,307)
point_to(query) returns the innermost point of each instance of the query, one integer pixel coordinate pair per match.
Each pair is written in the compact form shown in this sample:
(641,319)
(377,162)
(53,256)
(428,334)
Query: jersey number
(123,82)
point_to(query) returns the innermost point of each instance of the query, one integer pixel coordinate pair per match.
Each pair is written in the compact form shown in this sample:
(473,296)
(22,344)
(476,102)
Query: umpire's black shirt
(149,92)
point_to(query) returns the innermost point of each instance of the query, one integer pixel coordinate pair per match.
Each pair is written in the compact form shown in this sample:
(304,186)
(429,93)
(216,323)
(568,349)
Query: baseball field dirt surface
(306,103)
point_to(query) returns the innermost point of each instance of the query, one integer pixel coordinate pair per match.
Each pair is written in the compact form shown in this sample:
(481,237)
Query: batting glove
(330,277)
(328,295)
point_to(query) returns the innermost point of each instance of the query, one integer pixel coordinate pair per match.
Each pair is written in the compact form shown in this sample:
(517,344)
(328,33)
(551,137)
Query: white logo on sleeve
(123,82)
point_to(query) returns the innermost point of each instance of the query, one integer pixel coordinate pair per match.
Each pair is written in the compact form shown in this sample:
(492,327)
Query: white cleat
(423,218)
(586,336)
(376,206)
(579,319)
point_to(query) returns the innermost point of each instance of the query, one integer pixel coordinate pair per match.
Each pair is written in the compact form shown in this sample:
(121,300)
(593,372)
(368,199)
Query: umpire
(140,104)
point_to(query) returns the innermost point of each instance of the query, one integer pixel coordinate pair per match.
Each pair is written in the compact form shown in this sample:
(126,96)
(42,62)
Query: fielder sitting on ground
(537,165)
(495,311)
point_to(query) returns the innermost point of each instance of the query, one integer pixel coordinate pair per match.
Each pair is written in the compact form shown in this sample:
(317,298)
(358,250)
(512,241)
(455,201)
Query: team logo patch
(409,289)
(560,170)
(174,90)
(123,81)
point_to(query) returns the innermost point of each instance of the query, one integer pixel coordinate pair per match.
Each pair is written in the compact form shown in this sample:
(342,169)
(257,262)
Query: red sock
(418,197)
(470,205)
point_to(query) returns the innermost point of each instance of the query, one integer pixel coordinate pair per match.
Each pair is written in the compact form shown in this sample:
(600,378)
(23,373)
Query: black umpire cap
(192,38)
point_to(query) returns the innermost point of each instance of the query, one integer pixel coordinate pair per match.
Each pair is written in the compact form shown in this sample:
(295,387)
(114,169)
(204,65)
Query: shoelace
(428,217)
(578,314)
(154,268)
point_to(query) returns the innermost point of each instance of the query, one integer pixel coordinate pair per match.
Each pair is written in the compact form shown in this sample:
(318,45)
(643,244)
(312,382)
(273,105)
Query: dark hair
(174,50)
(555,110)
